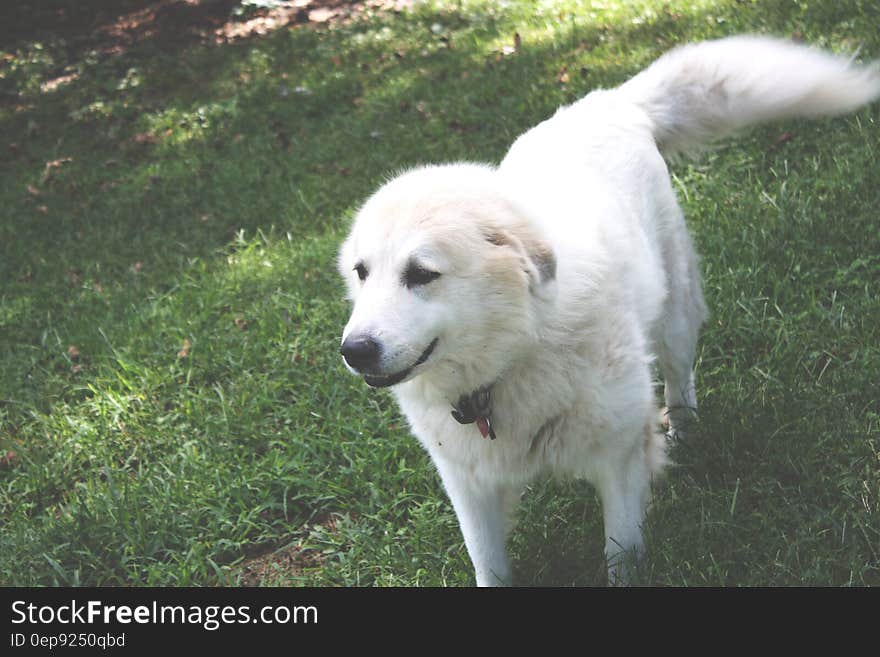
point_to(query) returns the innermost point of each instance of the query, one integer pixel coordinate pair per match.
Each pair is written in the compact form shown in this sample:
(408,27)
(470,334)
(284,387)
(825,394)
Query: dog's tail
(700,92)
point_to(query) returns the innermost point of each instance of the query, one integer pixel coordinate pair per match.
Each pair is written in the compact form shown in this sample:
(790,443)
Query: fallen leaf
(54,164)
(52,85)
(33,191)
(8,459)
(145,138)
(49,169)
(184,351)
(784,138)
(512,50)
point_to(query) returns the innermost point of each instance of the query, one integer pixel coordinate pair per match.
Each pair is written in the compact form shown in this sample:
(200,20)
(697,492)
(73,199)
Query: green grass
(202,429)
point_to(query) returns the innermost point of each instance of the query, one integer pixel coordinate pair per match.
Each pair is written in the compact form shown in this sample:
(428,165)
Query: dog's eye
(361,270)
(416,275)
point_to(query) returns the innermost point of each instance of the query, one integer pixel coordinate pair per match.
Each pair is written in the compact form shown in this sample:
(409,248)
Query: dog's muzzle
(361,353)
(383,381)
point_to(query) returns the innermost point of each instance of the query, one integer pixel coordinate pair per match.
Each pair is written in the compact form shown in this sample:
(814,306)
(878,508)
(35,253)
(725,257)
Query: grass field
(173,409)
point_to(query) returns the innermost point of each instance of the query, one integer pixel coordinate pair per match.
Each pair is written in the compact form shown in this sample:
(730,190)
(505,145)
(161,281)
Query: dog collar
(474,408)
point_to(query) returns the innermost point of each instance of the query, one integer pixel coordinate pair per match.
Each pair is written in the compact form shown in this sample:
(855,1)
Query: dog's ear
(537,257)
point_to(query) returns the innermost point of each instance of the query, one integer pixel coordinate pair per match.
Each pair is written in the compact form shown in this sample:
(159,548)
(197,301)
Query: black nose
(361,352)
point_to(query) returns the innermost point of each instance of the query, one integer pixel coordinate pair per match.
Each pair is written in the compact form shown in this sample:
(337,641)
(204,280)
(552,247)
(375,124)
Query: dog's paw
(677,423)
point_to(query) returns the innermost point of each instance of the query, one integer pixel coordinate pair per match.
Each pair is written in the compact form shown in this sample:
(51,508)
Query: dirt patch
(279,566)
(301,12)
(113,27)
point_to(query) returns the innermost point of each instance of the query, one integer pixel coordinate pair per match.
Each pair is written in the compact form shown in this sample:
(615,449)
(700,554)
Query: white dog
(517,309)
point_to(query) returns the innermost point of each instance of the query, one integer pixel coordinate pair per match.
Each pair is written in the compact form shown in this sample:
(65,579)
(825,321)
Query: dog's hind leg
(484,512)
(679,390)
(676,344)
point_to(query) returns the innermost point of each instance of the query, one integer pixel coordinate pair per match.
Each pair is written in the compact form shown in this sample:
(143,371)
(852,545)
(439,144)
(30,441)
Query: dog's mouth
(391,379)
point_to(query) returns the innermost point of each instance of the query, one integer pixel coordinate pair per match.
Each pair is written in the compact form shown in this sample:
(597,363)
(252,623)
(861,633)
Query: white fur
(568,354)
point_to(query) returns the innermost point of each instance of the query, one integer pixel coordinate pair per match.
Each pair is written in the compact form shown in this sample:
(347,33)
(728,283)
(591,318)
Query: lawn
(173,408)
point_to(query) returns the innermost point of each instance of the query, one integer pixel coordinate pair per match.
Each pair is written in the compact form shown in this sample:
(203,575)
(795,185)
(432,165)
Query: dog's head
(443,269)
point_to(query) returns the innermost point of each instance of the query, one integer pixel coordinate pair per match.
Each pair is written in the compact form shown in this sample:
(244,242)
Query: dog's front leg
(481,508)
(624,491)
